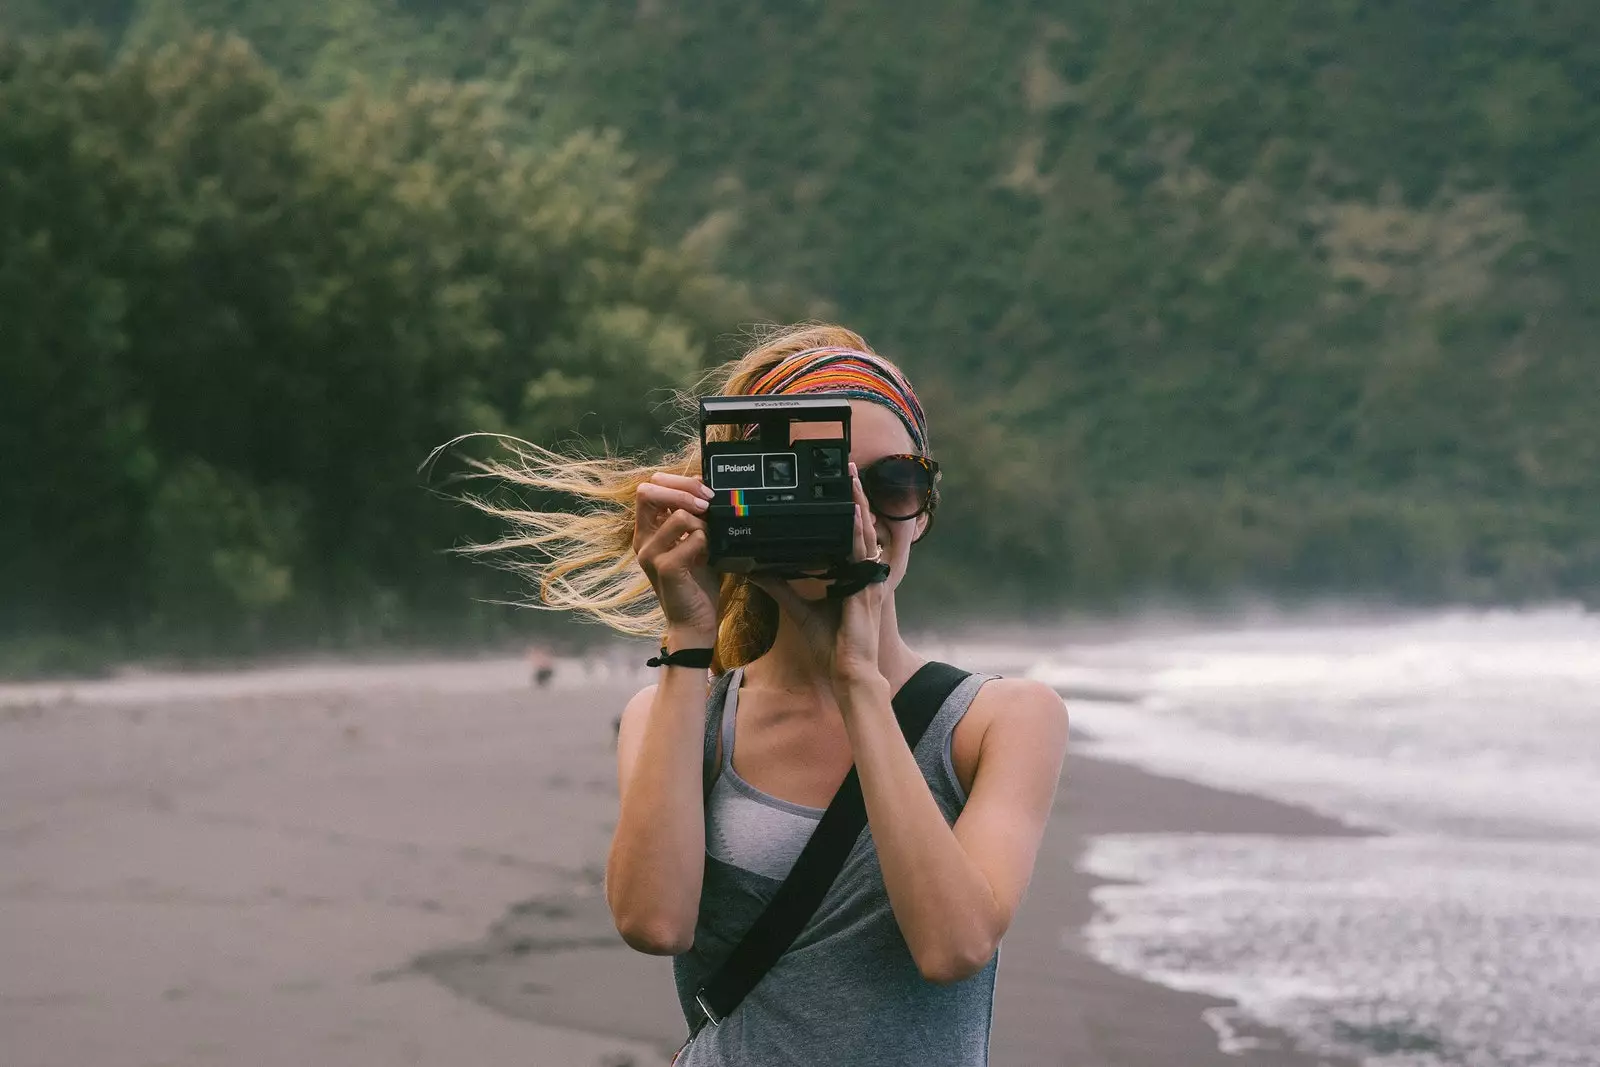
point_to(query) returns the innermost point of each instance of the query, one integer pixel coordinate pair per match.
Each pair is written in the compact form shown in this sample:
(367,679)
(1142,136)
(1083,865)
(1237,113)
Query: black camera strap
(850,578)
(809,880)
(846,578)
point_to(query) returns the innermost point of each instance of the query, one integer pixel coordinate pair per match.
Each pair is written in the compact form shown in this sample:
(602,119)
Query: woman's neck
(789,664)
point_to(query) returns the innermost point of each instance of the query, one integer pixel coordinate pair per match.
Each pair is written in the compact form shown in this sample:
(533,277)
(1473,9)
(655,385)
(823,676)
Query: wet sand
(388,865)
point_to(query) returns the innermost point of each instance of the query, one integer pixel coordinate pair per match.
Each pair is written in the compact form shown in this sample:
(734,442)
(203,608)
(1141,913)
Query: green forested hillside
(1290,297)
(1309,282)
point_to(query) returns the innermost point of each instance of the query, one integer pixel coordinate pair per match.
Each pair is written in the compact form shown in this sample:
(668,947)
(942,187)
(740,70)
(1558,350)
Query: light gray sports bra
(754,830)
(745,827)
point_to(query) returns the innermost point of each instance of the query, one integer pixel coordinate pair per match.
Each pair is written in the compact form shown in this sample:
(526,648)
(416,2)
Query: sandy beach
(402,865)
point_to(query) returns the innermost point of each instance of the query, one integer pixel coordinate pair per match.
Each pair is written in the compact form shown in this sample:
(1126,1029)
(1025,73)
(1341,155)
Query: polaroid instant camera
(780,479)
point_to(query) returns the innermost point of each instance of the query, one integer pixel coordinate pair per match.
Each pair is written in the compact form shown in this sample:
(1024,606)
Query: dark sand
(389,866)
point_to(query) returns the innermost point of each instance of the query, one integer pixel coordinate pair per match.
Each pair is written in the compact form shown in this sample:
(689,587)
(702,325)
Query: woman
(898,964)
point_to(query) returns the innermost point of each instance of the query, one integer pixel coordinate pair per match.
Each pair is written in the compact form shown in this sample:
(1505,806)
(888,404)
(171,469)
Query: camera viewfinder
(827,463)
(780,472)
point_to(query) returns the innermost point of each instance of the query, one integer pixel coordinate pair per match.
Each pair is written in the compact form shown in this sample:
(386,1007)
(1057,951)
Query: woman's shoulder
(646,696)
(639,704)
(1024,689)
(1021,703)
(630,724)
(997,689)
(1008,719)
(637,710)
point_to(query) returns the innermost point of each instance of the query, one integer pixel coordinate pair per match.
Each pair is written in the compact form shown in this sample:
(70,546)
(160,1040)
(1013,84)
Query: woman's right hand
(669,538)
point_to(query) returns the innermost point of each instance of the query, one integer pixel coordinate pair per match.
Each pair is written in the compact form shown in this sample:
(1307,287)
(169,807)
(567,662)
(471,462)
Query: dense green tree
(237,318)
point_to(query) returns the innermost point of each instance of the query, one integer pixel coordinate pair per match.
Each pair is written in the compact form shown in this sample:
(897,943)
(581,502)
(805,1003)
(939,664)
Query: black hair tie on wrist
(684,657)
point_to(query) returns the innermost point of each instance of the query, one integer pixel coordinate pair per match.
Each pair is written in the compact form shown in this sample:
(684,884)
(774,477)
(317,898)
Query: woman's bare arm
(657,857)
(955,891)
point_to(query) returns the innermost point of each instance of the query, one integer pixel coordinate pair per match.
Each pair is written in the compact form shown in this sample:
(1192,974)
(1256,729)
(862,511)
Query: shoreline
(409,872)
(995,640)
(1056,1002)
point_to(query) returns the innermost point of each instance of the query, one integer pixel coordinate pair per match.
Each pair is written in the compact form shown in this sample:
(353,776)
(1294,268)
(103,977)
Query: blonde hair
(583,560)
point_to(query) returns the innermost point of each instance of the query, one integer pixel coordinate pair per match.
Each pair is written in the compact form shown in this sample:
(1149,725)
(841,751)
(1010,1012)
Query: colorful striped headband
(858,375)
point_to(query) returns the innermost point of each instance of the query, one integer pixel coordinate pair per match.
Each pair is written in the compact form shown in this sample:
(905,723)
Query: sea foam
(1471,934)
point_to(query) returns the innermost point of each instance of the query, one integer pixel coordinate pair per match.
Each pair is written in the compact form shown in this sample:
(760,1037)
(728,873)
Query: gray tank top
(847,992)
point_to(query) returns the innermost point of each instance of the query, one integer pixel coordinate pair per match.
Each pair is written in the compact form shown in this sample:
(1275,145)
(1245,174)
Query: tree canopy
(237,317)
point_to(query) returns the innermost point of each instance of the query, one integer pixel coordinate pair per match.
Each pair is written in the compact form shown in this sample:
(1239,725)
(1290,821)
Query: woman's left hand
(841,634)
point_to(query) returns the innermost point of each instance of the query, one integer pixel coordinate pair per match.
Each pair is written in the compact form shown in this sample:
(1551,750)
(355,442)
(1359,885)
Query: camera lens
(827,463)
(779,471)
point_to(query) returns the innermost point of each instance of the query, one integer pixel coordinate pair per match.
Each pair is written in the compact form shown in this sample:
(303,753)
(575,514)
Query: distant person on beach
(541,667)
(725,772)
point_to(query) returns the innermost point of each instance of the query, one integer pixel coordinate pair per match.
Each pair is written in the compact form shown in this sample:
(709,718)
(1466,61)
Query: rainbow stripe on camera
(736,498)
